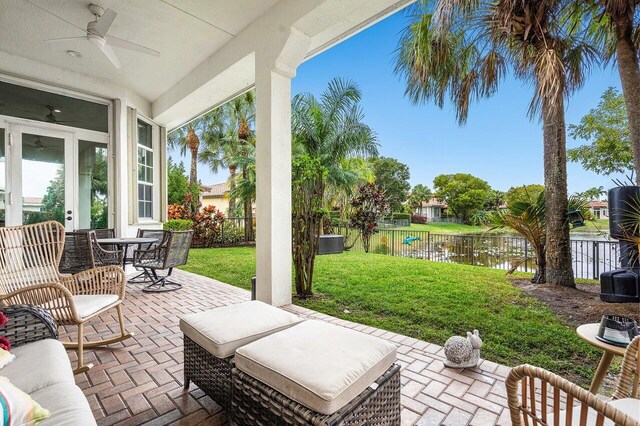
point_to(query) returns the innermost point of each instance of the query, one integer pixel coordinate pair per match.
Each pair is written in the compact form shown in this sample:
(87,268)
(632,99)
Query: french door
(55,175)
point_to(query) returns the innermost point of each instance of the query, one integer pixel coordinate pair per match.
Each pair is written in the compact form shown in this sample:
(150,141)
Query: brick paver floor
(140,381)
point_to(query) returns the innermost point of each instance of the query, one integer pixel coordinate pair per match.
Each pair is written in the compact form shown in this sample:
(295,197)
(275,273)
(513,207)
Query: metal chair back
(101,233)
(77,255)
(178,245)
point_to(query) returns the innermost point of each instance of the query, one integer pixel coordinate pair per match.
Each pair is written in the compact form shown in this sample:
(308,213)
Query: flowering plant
(5,343)
(3,319)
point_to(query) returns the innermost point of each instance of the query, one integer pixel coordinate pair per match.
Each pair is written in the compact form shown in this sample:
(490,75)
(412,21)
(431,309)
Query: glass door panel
(44,193)
(93,183)
(3,179)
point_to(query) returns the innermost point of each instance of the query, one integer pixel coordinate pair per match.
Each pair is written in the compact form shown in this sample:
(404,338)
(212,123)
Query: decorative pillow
(6,357)
(17,408)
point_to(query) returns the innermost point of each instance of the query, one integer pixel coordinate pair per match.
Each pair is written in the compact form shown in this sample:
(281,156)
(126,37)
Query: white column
(274,70)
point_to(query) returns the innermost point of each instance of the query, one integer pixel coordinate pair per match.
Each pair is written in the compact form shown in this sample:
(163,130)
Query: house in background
(216,195)
(599,209)
(432,209)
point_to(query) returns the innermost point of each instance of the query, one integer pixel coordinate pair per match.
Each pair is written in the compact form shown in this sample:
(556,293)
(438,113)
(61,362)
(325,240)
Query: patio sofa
(42,368)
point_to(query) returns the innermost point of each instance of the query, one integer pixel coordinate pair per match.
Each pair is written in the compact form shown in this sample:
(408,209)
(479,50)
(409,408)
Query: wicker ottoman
(316,373)
(211,338)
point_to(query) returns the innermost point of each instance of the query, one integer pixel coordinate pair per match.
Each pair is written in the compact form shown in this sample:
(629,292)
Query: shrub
(178,225)
(381,249)
(418,218)
(178,211)
(230,234)
(397,216)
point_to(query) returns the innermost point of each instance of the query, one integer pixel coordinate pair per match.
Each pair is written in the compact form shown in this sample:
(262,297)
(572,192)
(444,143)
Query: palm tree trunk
(193,175)
(558,246)
(540,277)
(248,212)
(232,186)
(630,78)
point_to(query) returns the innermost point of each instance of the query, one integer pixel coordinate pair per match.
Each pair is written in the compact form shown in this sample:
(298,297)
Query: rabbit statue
(463,352)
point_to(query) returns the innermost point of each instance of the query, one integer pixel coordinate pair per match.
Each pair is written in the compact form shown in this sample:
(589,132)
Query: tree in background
(615,25)
(52,202)
(593,194)
(462,50)
(369,204)
(418,194)
(606,127)
(463,193)
(392,177)
(526,193)
(179,190)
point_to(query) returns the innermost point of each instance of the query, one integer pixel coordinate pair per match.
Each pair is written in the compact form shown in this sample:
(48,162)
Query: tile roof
(215,190)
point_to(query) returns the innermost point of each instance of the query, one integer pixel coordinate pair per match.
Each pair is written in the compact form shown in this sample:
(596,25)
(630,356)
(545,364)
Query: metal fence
(590,257)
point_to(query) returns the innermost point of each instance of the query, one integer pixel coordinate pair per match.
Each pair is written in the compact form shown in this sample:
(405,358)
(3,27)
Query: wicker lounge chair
(548,399)
(29,260)
(171,252)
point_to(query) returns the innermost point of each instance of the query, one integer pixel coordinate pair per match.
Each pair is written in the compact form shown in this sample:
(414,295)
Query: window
(145,171)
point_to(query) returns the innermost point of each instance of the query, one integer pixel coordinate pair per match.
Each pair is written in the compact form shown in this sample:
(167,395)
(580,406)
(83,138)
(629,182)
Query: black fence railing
(590,257)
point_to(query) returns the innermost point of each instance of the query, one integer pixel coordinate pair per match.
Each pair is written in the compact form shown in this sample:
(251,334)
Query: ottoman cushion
(318,365)
(223,330)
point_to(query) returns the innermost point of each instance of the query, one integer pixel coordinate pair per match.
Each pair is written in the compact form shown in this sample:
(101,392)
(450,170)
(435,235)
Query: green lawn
(429,301)
(599,225)
(445,228)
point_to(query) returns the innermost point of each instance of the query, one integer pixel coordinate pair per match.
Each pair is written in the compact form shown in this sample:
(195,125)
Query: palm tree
(187,138)
(462,50)
(242,112)
(527,217)
(616,26)
(325,133)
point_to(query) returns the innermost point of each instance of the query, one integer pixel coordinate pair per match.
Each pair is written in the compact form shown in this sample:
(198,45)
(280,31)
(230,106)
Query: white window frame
(155,193)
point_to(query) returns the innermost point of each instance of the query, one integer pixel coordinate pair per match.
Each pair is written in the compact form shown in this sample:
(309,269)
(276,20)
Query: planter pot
(620,200)
(330,244)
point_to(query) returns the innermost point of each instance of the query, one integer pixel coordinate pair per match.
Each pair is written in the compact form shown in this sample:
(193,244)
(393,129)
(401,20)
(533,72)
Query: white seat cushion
(629,406)
(67,404)
(87,305)
(319,365)
(38,365)
(223,330)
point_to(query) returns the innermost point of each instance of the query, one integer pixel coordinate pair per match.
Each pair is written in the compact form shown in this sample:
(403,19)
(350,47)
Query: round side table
(588,333)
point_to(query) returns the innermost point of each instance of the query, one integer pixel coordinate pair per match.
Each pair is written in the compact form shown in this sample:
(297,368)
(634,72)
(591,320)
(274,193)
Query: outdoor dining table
(124,243)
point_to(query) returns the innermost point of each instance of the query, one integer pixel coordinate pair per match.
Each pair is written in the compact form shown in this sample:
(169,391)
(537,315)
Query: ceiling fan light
(96,40)
(74,54)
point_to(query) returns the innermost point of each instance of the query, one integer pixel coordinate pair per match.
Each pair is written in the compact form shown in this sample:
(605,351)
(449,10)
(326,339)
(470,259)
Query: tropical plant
(418,194)
(462,50)
(369,204)
(527,217)
(615,26)
(178,187)
(593,194)
(308,180)
(325,133)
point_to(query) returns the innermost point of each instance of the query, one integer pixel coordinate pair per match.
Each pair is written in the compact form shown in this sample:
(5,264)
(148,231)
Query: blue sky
(499,143)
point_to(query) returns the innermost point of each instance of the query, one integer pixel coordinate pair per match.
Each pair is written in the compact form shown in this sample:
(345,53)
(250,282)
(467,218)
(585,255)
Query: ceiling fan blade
(56,40)
(105,22)
(57,16)
(111,55)
(124,44)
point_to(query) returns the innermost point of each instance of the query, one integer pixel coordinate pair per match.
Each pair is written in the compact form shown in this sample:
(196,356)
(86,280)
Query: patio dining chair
(29,260)
(82,251)
(547,399)
(172,251)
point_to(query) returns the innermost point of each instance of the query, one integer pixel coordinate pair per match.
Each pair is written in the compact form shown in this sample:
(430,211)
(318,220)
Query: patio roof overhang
(210,52)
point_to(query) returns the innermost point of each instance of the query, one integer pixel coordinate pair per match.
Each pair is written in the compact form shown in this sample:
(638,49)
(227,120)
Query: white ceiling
(185,32)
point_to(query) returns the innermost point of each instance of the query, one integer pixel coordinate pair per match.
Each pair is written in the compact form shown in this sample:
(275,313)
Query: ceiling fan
(96,34)
(39,146)
(51,117)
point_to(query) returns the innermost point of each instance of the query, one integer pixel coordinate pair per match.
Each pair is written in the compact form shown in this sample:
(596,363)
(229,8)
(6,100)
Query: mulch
(578,305)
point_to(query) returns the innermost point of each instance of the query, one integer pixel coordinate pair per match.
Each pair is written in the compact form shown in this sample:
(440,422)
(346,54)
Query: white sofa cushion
(223,330)
(39,364)
(629,406)
(67,404)
(86,304)
(319,365)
